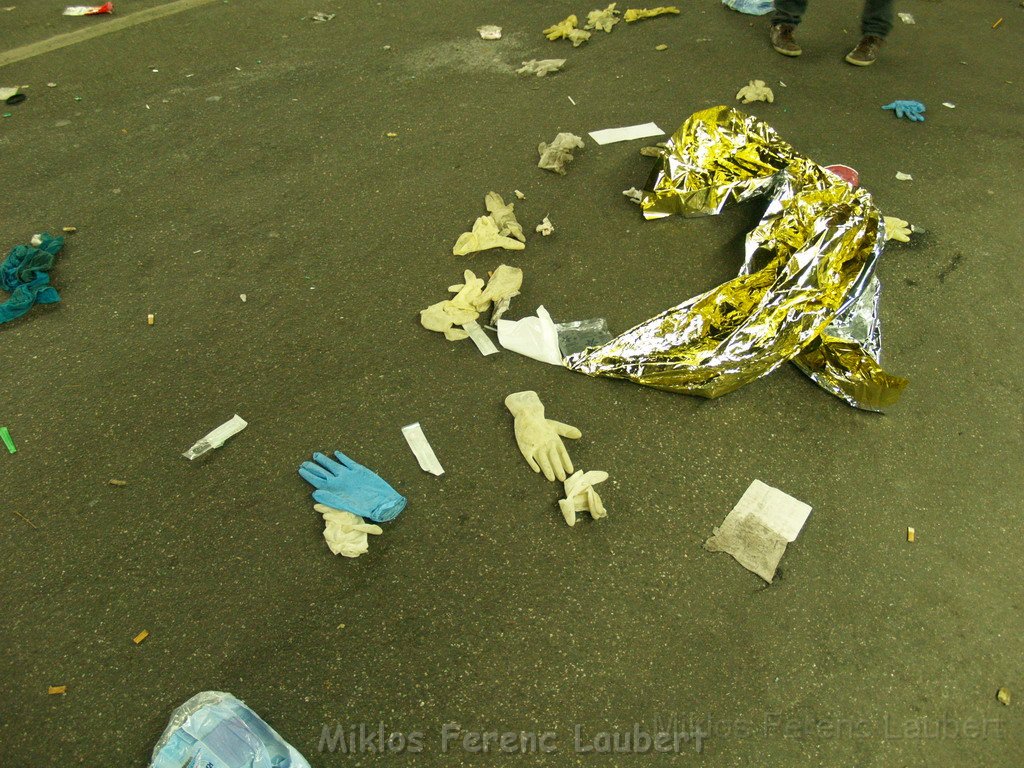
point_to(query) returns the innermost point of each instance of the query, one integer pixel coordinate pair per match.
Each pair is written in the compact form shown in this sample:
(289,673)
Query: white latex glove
(897,229)
(504,216)
(603,19)
(756,90)
(344,532)
(580,496)
(484,235)
(540,439)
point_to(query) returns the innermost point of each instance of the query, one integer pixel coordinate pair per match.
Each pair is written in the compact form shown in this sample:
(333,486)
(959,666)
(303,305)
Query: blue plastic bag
(216,730)
(753,7)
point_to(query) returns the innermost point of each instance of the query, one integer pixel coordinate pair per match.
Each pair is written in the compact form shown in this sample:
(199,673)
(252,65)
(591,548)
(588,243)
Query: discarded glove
(470,300)
(580,496)
(484,235)
(567,29)
(540,439)
(756,90)
(345,484)
(345,533)
(504,216)
(636,14)
(912,110)
(634,195)
(26,274)
(558,154)
(603,19)
(540,67)
(897,229)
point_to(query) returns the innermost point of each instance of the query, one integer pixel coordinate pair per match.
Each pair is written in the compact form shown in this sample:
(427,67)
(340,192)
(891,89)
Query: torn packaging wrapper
(807,262)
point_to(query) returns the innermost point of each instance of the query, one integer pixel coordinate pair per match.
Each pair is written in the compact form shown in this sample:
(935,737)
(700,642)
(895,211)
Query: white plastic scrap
(546,227)
(6,93)
(482,340)
(628,133)
(580,496)
(558,154)
(217,437)
(489,32)
(320,16)
(907,18)
(901,176)
(949,104)
(534,337)
(417,441)
(541,67)
(520,195)
(346,533)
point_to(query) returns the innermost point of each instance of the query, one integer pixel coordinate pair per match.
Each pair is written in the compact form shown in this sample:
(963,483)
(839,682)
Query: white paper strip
(421,449)
(482,340)
(628,133)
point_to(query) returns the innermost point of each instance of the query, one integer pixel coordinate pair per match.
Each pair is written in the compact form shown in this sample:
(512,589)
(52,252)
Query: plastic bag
(753,7)
(216,730)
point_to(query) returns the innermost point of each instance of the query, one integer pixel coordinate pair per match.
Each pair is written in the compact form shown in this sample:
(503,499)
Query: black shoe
(783,40)
(866,51)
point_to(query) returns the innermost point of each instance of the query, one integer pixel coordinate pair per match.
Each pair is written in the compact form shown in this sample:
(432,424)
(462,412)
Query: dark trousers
(875,20)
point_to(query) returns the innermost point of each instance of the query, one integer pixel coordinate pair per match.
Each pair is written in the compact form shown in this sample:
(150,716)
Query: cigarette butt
(998,22)
(141,636)
(119,483)
(392,135)
(150,319)
(55,690)
(661,47)
(911,535)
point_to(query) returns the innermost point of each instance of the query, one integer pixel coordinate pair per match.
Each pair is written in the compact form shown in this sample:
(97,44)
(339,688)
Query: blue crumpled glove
(347,485)
(912,110)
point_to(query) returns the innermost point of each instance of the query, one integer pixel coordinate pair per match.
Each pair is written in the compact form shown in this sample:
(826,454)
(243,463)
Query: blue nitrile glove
(912,110)
(346,485)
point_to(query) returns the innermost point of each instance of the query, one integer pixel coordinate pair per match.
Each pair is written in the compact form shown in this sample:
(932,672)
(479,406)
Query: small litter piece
(603,18)
(558,154)
(541,67)
(479,338)
(628,133)
(580,496)
(661,47)
(567,30)
(911,535)
(655,151)
(320,17)
(634,195)
(56,690)
(69,230)
(141,636)
(534,337)
(6,93)
(88,10)
(907,18)
(5,435)
(243,297)
(546,227)
(150,319)
(1003,696)
(949,104)
(998,22)
(755,90)
(217,437)
(117,483)
(901,176)
(346,533)
(489,32)
(215,730)
(520,195)
(636,14)
(759,527)
(421,449)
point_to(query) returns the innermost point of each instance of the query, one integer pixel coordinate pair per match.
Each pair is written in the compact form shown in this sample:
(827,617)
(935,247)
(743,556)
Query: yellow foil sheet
(809,259)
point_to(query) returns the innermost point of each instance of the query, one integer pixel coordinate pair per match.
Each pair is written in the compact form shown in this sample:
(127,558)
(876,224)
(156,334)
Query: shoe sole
(858,62)
(784,52)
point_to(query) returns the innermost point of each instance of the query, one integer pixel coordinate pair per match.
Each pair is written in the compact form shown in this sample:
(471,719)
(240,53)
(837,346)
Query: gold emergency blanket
(800,293)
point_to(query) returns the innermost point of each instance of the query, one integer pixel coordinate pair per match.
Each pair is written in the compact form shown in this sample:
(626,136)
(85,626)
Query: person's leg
(876,20)
(789,11)
(875,24)
(787,15)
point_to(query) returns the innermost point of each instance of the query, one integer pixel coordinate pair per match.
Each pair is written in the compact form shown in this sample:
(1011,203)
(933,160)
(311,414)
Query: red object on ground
(846,173)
